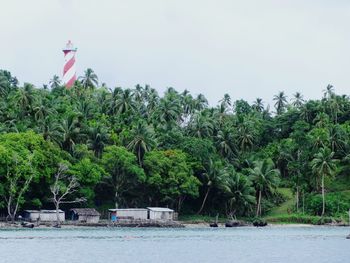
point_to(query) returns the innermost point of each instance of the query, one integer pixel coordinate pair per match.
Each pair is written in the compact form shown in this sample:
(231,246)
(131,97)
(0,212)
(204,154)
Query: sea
(195,244)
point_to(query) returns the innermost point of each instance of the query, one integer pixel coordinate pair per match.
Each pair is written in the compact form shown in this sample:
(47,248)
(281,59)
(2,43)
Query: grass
(285,206)
(194,219)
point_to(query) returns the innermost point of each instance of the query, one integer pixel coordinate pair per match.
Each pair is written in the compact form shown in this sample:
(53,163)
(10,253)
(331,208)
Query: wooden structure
(85,215)
(43,215)
(160,213)
(128,213)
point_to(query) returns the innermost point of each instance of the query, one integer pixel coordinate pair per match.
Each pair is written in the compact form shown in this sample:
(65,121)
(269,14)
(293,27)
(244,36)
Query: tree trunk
(204,200)
(297,199)
(258,210)
(58,214)
(116,199)
(323,196)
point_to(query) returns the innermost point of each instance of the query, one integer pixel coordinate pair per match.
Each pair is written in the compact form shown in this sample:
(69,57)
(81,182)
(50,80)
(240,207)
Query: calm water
(291,244)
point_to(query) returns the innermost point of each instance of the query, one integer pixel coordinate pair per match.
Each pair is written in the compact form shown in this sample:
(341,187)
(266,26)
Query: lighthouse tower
(69,72)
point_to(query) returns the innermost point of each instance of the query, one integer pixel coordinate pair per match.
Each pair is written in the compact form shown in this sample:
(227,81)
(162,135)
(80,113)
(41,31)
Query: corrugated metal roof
(127,209)
(50,211)
(85,211)
(160,209)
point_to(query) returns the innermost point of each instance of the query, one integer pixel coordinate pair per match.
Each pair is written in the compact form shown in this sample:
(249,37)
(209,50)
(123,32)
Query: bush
(336,203)
(303,219)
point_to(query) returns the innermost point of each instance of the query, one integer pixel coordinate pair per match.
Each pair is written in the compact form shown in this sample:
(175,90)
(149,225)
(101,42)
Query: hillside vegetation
(131,147)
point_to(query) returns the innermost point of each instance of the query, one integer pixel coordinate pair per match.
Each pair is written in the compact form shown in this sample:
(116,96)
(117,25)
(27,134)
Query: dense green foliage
(132,147)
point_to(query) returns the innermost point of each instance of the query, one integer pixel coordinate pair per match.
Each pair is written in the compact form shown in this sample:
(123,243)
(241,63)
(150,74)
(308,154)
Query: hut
(160,213)
(50,215)
(86,215)
(43,215)
(31,215)
(128,213)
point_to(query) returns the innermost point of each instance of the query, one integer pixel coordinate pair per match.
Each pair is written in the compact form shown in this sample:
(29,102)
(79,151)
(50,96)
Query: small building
(31,215)
(128,213)
(43,215)
(160,213)
(86,215)
(50,215)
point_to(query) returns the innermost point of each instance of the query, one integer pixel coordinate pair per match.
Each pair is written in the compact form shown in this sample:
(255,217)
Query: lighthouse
(69,72)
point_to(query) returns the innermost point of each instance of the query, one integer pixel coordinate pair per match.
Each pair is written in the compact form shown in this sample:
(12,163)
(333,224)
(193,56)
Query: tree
(18,177)
(123,172)
(90,79)
(211,179)
(63,186)
(22,156)
(258,105)
(55,82)
(88,174)
(281,102)
(323,165)
(265,179)
(143,140)
(170,178)
(238,191)
(298,100)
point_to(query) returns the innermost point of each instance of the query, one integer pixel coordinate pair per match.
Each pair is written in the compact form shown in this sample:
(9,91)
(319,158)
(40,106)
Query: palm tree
(298,100)
(143,140)
(246,136)
(281,102)
(168,111)
(90,79)
(258,105)
(25,98)
(70,132)
(123,102)
(225,143)
(226,101)
(200,102)
(201,126)
(323,165)
(210,179)
(328,92)
(98,137)
(55,82)
(265,179)
(239,192)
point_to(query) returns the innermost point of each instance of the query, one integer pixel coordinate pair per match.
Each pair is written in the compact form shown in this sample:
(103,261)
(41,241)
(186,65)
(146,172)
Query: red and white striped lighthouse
(69,72)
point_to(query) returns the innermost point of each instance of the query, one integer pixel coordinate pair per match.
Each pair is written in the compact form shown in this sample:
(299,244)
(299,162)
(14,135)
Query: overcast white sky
(247,48)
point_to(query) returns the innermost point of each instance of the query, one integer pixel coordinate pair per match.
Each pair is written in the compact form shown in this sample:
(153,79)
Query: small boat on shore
(27,225)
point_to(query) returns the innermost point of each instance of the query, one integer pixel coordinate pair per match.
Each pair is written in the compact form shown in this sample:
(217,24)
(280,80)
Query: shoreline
(174,224)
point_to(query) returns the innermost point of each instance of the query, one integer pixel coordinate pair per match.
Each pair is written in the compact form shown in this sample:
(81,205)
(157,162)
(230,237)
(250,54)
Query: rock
(259,222)
(233,223)
(348,237)
(213,225)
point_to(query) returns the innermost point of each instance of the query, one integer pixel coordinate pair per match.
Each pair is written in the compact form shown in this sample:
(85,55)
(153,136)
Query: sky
(246,48)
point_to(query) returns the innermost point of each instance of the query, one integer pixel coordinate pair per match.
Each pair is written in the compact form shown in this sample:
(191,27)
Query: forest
(105,147)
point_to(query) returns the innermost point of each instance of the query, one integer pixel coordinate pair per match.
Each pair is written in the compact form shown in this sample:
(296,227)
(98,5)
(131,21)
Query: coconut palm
(238,191)
(201,125)
(258,105)
(298,100)
(89,80)
(70,132)
(210,179)
(225,143)
(124,102)
(323,165)
(143,140)
(265,179)
(328,92)
(98,138)
(55,82)
(281,102)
